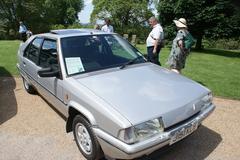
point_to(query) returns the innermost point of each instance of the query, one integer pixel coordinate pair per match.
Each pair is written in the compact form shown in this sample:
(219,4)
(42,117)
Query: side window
(32,51)
(48,54)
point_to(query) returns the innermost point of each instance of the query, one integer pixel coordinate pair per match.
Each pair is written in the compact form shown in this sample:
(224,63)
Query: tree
(63,11)
(38,15)
(127,17)
(203,16)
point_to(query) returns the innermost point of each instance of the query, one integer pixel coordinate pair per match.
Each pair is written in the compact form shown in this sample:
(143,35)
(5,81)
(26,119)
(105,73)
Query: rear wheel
(28,87)
(86,139)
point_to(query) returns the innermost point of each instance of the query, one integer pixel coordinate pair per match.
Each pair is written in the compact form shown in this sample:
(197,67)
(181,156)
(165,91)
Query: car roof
(72,32)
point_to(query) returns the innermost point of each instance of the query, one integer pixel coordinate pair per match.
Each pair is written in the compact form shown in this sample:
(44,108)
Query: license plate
(183,132)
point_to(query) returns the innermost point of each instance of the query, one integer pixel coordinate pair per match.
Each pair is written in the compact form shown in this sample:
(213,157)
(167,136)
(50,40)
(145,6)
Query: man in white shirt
(154,41)
(107,27)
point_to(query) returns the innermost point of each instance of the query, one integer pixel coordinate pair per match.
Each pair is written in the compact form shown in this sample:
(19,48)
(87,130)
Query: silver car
(116,103)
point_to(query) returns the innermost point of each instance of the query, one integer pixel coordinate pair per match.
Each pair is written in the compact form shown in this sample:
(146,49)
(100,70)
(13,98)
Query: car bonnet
(147,91)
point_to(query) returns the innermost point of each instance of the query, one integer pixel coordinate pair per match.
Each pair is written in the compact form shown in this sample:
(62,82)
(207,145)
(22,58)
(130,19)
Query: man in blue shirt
(22,31)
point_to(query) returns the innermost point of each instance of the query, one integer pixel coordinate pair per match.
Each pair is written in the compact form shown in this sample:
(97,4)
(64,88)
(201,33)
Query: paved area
(31,130)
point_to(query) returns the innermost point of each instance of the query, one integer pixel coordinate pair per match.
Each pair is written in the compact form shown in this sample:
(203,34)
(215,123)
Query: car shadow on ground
(8,103)
(197,146)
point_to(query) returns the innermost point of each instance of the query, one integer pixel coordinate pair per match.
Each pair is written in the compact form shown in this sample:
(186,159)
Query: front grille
(181,122)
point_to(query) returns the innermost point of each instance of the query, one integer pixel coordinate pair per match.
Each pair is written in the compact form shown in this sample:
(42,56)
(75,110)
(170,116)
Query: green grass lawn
(216,69)
(8,57)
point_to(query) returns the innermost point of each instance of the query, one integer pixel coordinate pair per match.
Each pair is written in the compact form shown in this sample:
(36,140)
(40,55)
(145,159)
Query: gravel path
(31,130)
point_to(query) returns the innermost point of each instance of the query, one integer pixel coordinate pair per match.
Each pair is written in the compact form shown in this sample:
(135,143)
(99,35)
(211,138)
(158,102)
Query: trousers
(154,58)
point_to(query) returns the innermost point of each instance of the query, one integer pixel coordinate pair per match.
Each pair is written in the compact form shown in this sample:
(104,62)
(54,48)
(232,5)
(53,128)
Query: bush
(228,44)
(60,26)
(2,35)
(167,43)
(74,26)
(57,26)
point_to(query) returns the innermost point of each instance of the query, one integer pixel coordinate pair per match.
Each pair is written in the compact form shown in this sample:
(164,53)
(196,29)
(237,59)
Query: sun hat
(181,23)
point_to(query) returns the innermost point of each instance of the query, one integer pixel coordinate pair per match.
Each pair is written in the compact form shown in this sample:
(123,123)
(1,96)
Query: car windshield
(95,52)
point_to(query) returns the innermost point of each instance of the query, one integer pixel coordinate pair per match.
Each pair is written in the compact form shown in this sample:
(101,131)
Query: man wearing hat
(179,53)
(154,41)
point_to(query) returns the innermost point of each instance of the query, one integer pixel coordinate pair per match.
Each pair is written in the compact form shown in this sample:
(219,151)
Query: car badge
(194,107)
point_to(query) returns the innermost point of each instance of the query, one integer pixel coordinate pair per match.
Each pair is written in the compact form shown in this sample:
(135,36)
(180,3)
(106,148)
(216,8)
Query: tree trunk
(199,42)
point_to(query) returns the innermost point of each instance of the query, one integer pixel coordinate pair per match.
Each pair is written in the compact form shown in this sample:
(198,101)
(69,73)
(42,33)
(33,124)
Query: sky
(84,15)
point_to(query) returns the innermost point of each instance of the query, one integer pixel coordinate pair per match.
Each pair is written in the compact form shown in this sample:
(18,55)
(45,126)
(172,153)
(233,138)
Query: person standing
(97,27)
(179,52)
(107,27)
(29,34)
(154,41)
(22,31)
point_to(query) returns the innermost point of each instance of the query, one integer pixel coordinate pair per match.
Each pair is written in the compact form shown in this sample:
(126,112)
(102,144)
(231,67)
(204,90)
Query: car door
(30,60)
(51,87)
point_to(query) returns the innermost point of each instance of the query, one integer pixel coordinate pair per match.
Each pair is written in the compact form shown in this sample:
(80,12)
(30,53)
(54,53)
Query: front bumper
(115,148)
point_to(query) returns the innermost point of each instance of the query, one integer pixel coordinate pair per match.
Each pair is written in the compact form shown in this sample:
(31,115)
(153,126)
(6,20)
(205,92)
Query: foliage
(128,17)
(228,27)
(37,15)
(63,11)
(2,31)
(57,26)
(204,17)
(60,26)
(228,44)
(74,26)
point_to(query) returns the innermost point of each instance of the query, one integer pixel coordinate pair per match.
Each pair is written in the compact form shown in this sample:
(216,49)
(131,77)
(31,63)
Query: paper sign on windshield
(74,65)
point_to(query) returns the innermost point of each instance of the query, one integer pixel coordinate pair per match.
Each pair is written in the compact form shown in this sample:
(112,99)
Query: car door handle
(24,64)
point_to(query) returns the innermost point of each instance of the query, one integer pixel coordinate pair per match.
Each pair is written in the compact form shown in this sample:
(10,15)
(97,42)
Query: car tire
(28,87)
(85,139)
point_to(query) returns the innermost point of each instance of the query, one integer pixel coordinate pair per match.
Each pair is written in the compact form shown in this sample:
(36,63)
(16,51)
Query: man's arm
(155,46)
(157,41)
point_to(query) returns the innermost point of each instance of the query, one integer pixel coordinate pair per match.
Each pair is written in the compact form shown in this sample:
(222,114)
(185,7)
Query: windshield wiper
(130,62)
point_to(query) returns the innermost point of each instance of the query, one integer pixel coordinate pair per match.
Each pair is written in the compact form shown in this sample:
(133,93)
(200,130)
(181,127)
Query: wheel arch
(77,109)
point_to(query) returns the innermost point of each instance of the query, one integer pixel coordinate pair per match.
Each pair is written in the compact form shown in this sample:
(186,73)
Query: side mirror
(48,72)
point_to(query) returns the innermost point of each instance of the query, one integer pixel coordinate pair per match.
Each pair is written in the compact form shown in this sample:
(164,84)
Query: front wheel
(86,139)
(28,87)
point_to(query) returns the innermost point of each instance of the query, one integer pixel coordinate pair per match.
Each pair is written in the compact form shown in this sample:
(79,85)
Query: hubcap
(83,138)
(26,84)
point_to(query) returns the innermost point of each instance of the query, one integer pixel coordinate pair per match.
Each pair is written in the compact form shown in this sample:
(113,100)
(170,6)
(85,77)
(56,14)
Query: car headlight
(208,98)
(206,101)
(141,131)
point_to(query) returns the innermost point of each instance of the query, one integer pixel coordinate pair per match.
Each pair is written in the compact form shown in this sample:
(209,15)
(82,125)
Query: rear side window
(48,54)
(32,51)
